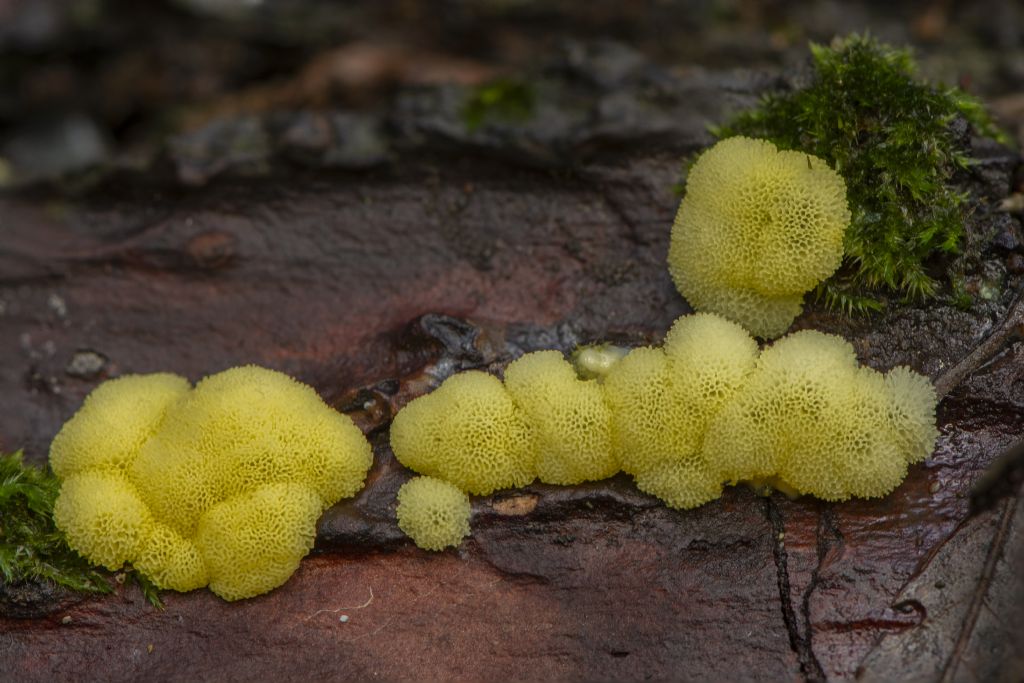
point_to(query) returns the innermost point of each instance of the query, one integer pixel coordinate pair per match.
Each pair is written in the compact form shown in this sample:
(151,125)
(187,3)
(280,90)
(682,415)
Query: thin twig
(1010,330)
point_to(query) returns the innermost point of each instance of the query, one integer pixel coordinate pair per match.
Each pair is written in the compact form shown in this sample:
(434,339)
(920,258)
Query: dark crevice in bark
(799,642)
(827,537)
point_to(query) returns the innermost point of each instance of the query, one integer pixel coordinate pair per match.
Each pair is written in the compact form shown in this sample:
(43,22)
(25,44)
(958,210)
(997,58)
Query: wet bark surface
(435,248)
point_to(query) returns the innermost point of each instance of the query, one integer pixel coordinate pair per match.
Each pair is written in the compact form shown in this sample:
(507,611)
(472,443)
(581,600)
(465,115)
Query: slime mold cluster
(704,410)
(218,485)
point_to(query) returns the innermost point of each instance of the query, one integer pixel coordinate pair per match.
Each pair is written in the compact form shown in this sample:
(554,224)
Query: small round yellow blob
(433,513)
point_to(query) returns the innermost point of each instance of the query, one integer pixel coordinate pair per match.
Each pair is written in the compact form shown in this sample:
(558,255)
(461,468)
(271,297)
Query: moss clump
(891,136)
(31,547)
(506,100)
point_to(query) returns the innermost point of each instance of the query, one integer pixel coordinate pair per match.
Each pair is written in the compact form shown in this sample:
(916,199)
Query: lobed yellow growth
(703,410)
(103,517)
(811,417)
(218,485)
(242,428)
(467,432)
(433,513)
(115,420)
(681,484)
(568,416)
(641,396)
(252,542)
(758,228)
(663,399)
(911,413)
(172,561)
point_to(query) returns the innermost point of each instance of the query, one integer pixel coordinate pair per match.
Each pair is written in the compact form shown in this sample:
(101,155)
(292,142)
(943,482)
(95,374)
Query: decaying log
(373,275)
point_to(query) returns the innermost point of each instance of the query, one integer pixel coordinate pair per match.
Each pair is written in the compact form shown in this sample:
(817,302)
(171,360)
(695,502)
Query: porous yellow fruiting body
(252,542)
(433,513)
(757,228)
(114,422)
(640,395)
(568,417)
(241,429)
(178,484)
(869,456)
(467,432)
(663,399)
(795,382)
(172,561)
(703,410)
(810,416)
(680,484)
(228,451)
(912,412)
(711,358)
(249,422)
(103,517)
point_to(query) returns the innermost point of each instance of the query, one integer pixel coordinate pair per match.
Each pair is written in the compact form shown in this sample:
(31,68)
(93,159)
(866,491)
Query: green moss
(504,99)
(891,136)
(32,549)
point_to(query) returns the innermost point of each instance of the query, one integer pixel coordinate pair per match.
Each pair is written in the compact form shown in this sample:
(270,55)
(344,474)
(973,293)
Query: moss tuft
(31,547)
(506,100)
(898,141)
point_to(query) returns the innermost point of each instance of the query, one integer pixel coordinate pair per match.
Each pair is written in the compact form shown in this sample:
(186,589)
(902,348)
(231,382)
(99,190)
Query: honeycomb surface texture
(663,399)
(433,513)
(756,229)
(822,424)
(221,484)
(570,421)
(468,432)
(705,409)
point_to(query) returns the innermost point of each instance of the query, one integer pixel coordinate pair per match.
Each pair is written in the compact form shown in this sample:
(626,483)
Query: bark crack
(810,667)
